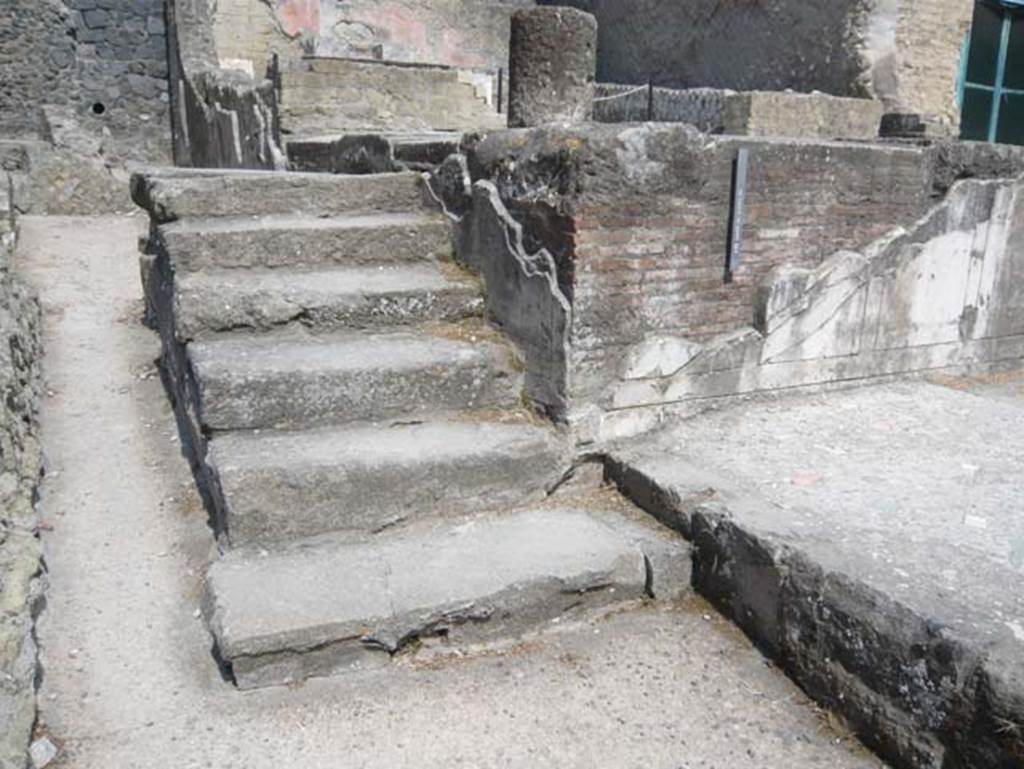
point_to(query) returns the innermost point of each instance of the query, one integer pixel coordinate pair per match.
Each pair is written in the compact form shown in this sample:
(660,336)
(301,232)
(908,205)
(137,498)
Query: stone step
(365,478)
(324,606)
(217,301)
(291,240)
(177,193)
(292,381)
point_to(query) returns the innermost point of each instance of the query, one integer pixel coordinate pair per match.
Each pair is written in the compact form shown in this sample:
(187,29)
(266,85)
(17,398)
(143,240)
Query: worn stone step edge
(362,152)
(363,479)
(287,241)
(322,300)
(172,194)
(322,608)
(286,381)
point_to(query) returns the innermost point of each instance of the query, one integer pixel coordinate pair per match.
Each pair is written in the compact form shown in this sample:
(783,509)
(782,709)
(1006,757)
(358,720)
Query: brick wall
(649,266)
(642,231)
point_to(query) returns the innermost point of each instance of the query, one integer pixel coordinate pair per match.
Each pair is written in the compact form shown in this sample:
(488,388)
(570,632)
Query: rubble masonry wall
(21,581)
(104,59)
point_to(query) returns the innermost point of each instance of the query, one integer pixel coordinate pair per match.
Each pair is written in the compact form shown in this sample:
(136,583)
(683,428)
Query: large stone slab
(365,478)
(288,381)
(215,301)
(325,607)
(801,115)
(872,542)
(172,193)
(290,240)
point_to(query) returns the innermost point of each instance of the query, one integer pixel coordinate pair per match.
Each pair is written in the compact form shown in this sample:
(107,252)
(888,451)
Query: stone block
(360,480)
(276,381)
(281,240)
(95,18)
(900,125)
(337,607)
(552,66)
(801,115)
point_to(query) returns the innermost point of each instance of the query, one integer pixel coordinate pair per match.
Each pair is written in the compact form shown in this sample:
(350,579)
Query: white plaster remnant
(786,233)
(936,295)
(42,752)
(635,158)
(660,356)
(240,65)
(1017,629)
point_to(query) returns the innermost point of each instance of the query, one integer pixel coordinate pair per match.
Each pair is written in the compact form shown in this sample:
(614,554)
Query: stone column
(552,66)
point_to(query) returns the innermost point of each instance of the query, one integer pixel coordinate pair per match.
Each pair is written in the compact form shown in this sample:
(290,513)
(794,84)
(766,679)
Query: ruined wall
(462,33)
(929,39)
(37,58)
(219,118)
(944,293)
(106,60)
(655,266)
(635,221)
(904,52)
(20,471)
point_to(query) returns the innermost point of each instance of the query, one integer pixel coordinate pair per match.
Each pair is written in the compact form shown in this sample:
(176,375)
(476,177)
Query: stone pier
(552,66)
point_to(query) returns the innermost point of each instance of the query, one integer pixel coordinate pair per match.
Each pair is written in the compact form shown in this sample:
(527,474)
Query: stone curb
(915,691)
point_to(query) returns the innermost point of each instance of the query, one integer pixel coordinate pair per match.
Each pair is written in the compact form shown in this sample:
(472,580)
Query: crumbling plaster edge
(540,265)
(635,405)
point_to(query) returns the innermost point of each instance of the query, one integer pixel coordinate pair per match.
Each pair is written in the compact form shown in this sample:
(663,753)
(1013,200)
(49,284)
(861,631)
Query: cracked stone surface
(129,675)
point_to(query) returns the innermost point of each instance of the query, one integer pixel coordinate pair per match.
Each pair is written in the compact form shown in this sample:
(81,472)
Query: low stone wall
(746,113)
(635,224)
(700,107)
(64,174)
(219,118)
(331,96)
(21,571)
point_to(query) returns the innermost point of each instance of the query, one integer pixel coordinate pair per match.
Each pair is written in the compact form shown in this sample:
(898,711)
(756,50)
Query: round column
(552,66)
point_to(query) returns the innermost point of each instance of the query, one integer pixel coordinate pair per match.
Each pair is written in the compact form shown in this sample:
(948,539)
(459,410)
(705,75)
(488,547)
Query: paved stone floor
(915,488)
(129,678)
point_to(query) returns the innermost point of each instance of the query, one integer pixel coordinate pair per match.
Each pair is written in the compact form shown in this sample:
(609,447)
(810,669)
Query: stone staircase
(358,430)
(331,96)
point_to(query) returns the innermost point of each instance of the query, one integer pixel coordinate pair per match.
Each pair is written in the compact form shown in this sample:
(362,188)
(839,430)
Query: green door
(992,107)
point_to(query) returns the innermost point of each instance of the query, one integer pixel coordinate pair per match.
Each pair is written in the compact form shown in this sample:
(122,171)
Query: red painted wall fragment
(299,16)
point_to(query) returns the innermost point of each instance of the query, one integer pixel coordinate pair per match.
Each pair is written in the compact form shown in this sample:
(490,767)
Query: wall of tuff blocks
(105,59)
